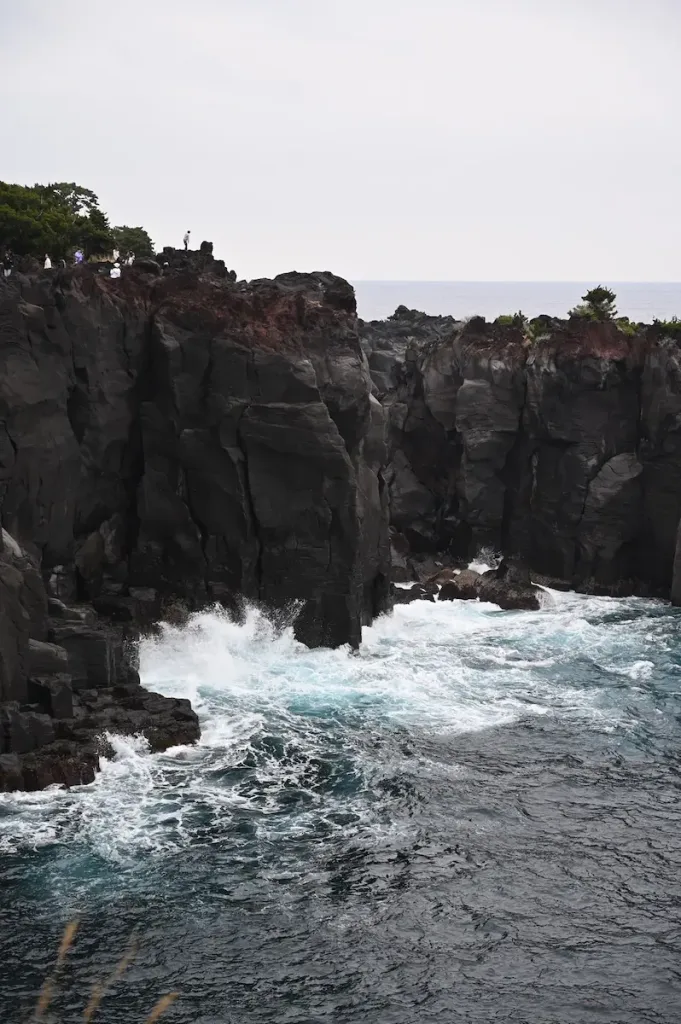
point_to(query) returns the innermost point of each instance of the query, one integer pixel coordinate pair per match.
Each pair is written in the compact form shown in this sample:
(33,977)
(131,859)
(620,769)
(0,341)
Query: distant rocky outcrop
(509,586)
(561,443)
(166,438)
(197,261)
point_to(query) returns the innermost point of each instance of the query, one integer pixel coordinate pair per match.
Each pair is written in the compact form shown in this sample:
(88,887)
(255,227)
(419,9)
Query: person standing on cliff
(78,256)
(47,265)
(186,240)
(7,263)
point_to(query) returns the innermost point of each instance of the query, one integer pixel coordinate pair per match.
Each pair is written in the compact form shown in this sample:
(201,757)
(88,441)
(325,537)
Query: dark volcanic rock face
(195,438)
(64,682)
(564,448)
(173,436)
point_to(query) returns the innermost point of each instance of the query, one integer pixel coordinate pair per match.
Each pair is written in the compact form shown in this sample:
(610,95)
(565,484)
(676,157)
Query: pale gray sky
(393,139)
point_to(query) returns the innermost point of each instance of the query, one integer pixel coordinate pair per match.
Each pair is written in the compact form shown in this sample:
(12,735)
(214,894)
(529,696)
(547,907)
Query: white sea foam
(286,727)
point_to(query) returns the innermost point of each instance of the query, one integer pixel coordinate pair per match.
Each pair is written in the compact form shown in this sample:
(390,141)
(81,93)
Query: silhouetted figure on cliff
(7,263)
(186,240)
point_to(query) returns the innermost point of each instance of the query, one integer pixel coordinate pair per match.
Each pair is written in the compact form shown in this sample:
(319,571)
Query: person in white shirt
(47,265)
(186,240)
(115,270)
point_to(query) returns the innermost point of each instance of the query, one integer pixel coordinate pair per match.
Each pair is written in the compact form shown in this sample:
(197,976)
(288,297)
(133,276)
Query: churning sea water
(477,817)
(640,301)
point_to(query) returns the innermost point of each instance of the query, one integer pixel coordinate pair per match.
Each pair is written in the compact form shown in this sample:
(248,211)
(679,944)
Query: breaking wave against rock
(381,835)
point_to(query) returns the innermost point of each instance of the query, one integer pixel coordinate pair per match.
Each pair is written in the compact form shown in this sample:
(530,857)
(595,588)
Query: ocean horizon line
(487,281)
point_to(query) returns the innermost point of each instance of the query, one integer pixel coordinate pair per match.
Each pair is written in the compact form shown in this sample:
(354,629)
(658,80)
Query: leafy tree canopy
(59,218)
(597,304)
(132,240)
(67,193)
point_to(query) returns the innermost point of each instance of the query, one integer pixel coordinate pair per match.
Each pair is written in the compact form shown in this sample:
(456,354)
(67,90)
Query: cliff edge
(173,437)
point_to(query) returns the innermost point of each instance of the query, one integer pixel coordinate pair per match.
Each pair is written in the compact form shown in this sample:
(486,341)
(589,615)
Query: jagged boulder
(464,586)
(509,586)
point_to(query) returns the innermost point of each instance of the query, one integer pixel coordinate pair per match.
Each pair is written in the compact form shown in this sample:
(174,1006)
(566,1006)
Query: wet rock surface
(63,694)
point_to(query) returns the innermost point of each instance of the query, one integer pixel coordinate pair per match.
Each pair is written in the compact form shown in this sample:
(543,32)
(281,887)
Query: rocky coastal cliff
(175,438)
(166,438)
(560,443)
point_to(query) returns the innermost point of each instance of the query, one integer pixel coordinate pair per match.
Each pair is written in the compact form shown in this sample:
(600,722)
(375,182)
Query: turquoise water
(475,817)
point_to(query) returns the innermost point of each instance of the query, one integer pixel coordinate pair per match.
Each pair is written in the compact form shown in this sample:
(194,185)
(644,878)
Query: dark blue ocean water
(475,818)
(639,301)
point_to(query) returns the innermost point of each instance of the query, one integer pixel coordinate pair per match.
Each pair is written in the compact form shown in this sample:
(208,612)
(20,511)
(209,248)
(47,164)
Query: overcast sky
(381,139)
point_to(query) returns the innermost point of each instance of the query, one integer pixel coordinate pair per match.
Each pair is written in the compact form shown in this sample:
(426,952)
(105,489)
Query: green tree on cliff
(596,304)
(134,240)
(77,199)
(94,233)
(58,218)
(33,224)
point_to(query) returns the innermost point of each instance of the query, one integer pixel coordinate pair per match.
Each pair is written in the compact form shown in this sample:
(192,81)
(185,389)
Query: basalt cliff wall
(172,437)
(562,445)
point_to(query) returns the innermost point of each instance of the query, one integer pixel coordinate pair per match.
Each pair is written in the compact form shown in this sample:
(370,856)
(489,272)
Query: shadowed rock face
(196,438)
(166,437)
(565,449)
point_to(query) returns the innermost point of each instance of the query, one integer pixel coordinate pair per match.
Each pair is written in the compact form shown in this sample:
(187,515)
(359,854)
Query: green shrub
(670,327)
(596,304)
(625,325)
(518,320)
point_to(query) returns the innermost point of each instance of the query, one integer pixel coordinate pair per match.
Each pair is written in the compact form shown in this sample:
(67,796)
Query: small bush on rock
(672,327)
(518,320)
(596,304)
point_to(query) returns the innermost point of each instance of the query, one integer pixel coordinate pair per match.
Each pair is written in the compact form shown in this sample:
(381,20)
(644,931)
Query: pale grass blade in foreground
(161,1007)
(49,985)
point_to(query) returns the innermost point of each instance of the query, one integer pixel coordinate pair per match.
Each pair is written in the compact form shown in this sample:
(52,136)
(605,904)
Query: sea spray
(352,824)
